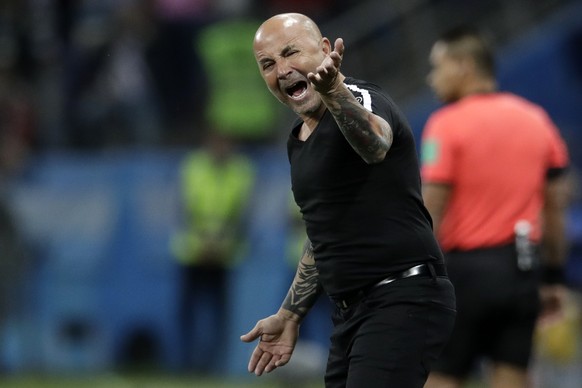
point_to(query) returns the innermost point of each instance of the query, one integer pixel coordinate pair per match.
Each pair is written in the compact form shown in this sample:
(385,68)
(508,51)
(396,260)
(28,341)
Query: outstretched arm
(278,333)
(369,134)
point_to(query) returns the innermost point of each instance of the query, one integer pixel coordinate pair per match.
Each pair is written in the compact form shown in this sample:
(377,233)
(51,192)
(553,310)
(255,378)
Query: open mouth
(297,90)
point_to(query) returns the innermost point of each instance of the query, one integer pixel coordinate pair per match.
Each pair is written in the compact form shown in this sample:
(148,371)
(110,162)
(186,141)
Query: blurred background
(145,211)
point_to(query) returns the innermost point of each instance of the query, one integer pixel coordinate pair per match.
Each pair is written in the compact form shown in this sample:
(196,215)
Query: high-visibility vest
(239,102)
(215,196)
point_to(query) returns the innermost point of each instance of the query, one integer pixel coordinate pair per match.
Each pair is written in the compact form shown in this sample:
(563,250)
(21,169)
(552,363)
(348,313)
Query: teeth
(299,96)
(289,88)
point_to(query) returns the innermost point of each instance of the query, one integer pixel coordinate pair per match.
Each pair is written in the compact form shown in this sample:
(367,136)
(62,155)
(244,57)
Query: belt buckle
(385,281)
(410,272)
(413,271)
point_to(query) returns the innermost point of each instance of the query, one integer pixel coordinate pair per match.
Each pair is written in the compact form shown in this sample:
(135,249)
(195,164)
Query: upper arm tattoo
(305,288)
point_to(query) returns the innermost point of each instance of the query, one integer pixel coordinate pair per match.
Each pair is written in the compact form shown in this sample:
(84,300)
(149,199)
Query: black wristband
(553,275)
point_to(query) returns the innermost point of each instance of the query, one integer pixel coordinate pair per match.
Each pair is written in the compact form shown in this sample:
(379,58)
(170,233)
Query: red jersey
(494,150)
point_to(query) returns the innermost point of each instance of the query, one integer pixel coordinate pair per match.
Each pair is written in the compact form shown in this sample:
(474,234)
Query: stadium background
(98,214)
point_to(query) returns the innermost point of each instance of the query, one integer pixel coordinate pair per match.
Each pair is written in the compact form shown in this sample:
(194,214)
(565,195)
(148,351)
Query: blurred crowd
(92,74)
(99,73)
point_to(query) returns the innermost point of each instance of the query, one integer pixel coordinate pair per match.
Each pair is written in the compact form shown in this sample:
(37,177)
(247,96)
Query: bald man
(370,246)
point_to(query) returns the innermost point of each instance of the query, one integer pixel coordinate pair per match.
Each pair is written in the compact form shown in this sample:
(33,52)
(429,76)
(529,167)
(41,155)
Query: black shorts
(497,308)
(391,337)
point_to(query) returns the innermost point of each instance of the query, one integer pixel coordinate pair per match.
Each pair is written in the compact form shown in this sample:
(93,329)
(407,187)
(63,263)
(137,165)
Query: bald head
(287,48)
(292,24)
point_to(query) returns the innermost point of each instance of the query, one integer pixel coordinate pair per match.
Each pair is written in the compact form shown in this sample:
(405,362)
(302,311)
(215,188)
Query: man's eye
(267,65)
(291,53)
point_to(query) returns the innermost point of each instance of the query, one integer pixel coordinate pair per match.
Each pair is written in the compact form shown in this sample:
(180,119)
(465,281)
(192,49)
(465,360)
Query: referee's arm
(557,197)
(436,196)
(554,244)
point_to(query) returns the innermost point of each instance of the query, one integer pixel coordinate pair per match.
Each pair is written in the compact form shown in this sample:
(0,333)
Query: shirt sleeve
(372,99)
(437,151)
(364,96)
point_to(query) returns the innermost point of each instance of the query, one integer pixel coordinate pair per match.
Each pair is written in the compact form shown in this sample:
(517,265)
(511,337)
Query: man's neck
(481,86)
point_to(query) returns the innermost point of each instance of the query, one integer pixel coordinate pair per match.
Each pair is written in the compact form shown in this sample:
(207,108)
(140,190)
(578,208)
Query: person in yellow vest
(238,102)
(216,185)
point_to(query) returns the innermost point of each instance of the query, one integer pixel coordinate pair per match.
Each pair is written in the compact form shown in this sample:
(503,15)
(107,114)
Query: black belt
(426,269)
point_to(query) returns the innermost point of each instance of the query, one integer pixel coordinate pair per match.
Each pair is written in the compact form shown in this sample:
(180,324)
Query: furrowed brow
(262,61)
(286,50)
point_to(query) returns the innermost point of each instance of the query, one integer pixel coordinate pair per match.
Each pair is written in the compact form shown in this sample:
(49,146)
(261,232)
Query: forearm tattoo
(305,288)
(355,122)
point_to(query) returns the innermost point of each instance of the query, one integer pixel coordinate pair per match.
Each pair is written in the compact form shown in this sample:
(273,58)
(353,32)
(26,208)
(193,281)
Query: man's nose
(283,69)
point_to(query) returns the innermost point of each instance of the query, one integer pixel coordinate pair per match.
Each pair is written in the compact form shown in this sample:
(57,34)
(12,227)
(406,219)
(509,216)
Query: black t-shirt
(364,221)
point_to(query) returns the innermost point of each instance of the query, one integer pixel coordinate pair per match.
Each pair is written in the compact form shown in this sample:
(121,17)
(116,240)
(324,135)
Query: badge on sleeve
(429,152)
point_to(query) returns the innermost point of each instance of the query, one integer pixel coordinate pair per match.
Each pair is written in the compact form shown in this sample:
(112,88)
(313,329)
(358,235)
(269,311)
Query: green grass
(146,381)
(157,381)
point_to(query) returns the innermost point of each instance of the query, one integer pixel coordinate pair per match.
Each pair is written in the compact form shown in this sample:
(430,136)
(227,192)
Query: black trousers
(497,306)
(392,336)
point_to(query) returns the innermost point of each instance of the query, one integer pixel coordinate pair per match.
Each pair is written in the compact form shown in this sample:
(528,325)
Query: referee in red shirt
(494,181)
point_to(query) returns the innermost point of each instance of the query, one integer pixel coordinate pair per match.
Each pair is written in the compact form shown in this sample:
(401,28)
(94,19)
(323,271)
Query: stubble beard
(309,107)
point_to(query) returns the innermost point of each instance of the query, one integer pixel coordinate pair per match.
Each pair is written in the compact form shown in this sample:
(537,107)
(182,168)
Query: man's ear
(326,46)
